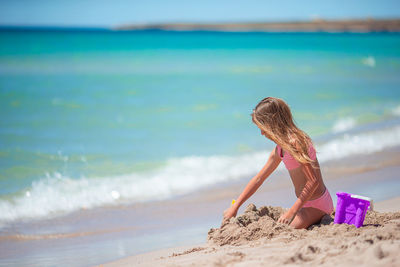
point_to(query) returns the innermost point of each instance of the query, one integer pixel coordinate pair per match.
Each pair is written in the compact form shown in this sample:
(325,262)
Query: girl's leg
(307,216)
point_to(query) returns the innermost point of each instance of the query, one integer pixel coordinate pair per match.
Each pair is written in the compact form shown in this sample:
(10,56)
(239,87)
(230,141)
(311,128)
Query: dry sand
(256,239)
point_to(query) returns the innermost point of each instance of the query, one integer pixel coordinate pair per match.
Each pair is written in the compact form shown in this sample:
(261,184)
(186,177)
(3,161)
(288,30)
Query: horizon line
(205,23)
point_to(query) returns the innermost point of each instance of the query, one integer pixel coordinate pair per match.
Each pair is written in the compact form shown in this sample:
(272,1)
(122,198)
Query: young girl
(295,149)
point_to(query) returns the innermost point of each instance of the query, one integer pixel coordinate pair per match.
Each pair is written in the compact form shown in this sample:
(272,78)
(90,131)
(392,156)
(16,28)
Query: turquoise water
(100,118)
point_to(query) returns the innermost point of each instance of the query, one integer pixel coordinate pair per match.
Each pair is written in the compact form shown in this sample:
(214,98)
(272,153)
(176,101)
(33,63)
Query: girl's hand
(230,212)
(287,217)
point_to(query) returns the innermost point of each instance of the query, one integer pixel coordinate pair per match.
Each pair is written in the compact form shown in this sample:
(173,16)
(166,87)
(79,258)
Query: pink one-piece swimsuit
(324,202)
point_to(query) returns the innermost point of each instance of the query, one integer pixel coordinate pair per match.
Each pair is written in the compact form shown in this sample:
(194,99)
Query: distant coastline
(317,25)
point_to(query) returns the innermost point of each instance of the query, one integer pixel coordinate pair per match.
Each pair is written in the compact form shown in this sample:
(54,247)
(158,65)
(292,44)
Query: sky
(107,13)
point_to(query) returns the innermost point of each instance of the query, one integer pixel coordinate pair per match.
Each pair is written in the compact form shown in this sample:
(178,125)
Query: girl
(294,147)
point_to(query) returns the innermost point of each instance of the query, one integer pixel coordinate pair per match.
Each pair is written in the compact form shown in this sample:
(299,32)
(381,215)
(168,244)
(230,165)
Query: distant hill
(318,25)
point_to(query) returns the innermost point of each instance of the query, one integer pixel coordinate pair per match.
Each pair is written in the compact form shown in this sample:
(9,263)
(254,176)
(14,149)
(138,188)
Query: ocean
(93,119)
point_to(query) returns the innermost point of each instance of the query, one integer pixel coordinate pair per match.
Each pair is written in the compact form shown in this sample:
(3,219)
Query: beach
(180,226)
(264,242)
(119,143)
(375,244)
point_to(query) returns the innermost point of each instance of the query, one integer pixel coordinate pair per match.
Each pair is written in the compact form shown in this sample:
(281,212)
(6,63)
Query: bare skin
(308,185)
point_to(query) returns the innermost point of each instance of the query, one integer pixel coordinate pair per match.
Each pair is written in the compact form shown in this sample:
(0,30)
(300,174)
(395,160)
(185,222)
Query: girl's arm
(255,183)
(308,190)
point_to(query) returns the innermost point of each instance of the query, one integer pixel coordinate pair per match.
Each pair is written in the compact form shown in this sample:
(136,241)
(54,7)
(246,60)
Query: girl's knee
(306,217)
(298,225)
(299,221)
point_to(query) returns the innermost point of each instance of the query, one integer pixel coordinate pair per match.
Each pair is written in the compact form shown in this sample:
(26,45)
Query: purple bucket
(351,209)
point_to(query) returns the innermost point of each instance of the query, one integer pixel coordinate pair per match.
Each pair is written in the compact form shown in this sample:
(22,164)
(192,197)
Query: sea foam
(343,124)
(396,111)
(56,194)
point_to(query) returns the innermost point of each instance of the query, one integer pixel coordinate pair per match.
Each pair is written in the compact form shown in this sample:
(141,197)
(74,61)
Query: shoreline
(365,171)
(120,232)
(185,255)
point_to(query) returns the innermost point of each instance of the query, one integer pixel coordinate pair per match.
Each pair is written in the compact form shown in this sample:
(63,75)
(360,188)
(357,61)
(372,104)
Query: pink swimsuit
(324,202)
(290,162)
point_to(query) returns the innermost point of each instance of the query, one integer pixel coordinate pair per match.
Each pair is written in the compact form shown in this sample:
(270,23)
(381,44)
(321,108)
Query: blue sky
(106,13)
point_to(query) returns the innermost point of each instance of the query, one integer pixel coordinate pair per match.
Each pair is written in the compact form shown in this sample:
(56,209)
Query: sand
(254,238)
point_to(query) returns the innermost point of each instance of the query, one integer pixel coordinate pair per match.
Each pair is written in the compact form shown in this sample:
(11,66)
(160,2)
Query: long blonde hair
(273,116)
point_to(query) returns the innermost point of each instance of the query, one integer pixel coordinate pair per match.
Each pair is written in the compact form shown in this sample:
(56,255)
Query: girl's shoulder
(297,144)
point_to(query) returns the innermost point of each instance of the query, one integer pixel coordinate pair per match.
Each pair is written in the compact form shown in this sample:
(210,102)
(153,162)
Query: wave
(396,111)
(344,124)
(369,61)
(56,194)
(363,143)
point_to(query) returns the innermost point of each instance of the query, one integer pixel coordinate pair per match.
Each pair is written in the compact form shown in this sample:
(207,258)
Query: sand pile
(378,240)
(256,239)
(252,225)
(262,223)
